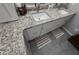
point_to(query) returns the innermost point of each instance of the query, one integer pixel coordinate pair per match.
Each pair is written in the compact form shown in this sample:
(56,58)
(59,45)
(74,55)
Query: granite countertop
(56,16)
(11,35)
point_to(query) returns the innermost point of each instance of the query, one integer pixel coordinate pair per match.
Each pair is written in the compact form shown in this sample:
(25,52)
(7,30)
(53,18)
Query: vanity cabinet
(44,28)
(34,32)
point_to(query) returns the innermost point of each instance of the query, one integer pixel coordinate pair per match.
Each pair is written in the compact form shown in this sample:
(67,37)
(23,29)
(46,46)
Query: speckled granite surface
(11,36)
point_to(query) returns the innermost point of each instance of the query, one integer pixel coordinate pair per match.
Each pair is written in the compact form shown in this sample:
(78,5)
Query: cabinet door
(48,27)
(51,26)
(7,12)
(59,23)
(34,32)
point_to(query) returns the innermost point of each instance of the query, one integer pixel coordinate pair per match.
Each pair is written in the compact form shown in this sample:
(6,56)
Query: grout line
(44,44)
(42,40)
(59,36)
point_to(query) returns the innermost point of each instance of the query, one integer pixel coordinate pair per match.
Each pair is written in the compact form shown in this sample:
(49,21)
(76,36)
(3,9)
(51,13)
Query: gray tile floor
(57,46)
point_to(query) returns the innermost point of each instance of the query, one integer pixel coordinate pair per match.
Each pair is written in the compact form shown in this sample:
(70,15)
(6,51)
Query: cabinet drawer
(34,32)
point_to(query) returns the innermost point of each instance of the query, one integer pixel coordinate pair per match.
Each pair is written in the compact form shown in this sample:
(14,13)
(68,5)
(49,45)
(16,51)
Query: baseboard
(67,31)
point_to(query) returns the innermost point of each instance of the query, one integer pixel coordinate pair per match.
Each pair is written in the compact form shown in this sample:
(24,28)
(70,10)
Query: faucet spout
(38,7)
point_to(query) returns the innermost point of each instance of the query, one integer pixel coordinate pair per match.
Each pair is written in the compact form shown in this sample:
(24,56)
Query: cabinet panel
(51,26)
(60,23)
(34,32)
(48,27)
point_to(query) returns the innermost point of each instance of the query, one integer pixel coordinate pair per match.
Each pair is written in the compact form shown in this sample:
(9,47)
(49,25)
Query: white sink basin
(63,12)
(40,16)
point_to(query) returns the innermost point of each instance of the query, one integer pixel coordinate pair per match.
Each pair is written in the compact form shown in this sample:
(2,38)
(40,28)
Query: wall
(7,12)
(73,25)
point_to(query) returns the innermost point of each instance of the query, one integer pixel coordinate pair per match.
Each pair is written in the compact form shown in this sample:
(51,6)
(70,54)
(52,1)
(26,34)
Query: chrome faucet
(37,5)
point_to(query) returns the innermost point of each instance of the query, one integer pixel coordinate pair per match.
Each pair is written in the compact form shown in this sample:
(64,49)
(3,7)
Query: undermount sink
(40,16)
(63,12)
